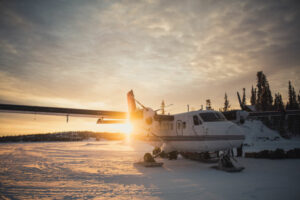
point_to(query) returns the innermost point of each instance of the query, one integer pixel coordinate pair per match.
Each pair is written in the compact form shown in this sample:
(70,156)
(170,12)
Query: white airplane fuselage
(195,131)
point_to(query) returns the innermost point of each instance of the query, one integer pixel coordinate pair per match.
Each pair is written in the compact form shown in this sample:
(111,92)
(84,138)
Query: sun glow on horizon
(125,128)
(39,124)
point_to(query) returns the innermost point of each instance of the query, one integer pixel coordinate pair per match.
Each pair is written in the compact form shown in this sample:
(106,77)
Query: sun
(126,128)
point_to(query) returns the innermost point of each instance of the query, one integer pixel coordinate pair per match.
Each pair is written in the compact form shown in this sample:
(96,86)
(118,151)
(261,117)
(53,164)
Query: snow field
(106,170)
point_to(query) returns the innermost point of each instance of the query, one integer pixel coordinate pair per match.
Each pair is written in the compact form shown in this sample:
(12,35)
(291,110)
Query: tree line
(262,99)
(63,136)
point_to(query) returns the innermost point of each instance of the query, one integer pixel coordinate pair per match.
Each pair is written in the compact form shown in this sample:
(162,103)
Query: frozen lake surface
(105,170)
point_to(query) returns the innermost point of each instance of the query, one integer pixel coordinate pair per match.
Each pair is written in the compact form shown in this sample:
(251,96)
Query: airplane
(199,132)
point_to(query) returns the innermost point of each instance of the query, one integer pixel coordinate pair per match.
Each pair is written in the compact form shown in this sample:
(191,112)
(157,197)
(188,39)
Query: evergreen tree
(260,82)
(278,104)
(299,98)
(264,95)
(288,105)
(295,99)
(226,103)
(270,97)
(259,90)
(292,103)
(253,96)
(296,105)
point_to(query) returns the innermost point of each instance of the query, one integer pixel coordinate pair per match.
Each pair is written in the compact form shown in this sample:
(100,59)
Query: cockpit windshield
(212,117)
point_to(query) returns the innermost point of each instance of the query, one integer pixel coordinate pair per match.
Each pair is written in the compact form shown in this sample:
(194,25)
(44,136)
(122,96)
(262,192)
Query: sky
(89,54)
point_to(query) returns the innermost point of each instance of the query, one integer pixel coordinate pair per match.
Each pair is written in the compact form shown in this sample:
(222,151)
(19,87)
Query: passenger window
(196,120)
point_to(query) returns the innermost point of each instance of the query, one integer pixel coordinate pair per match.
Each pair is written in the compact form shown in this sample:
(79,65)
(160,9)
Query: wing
(102,114)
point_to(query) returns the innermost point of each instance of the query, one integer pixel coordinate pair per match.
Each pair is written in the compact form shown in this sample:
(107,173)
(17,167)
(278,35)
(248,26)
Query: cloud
(183,51)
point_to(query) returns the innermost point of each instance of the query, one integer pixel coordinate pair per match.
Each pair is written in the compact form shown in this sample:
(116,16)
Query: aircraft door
(197,126)
(179,128)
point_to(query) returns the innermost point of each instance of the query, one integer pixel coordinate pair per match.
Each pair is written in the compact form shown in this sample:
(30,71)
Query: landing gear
(226,164)
(205,157)
(148,158)
(149,161)
(173,155)
(240,151)
(158,153)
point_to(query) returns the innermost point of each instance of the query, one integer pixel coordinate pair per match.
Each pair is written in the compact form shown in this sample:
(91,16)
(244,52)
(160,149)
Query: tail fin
(131,102)
(239,98)
(243,106)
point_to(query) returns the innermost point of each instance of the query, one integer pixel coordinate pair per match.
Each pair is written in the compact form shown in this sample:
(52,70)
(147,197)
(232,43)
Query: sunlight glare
(126,128)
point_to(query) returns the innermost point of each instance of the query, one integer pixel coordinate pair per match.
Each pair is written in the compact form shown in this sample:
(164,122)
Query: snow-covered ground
(259,137)
(105,170)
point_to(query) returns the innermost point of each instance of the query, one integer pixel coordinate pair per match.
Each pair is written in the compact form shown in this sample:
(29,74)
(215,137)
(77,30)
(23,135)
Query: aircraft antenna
(208,104)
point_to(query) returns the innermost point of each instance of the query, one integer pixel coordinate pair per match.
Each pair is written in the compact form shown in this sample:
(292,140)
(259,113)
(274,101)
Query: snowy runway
(105,170)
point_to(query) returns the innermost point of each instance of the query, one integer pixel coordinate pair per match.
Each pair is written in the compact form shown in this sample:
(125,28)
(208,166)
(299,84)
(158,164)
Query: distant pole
(188,107)
(163,107)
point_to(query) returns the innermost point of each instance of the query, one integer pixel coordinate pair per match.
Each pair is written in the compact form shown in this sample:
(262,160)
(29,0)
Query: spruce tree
(278,103)
(299,98)
(253,96)
(259,87)
(260,80)
(264,95)
(292,103)
(226,103)
(289,103)
(270,98)
(278,106)
(296,105)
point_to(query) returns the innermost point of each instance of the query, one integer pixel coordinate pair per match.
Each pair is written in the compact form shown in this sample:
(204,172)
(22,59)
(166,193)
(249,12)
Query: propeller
(140,104)
(144,107)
